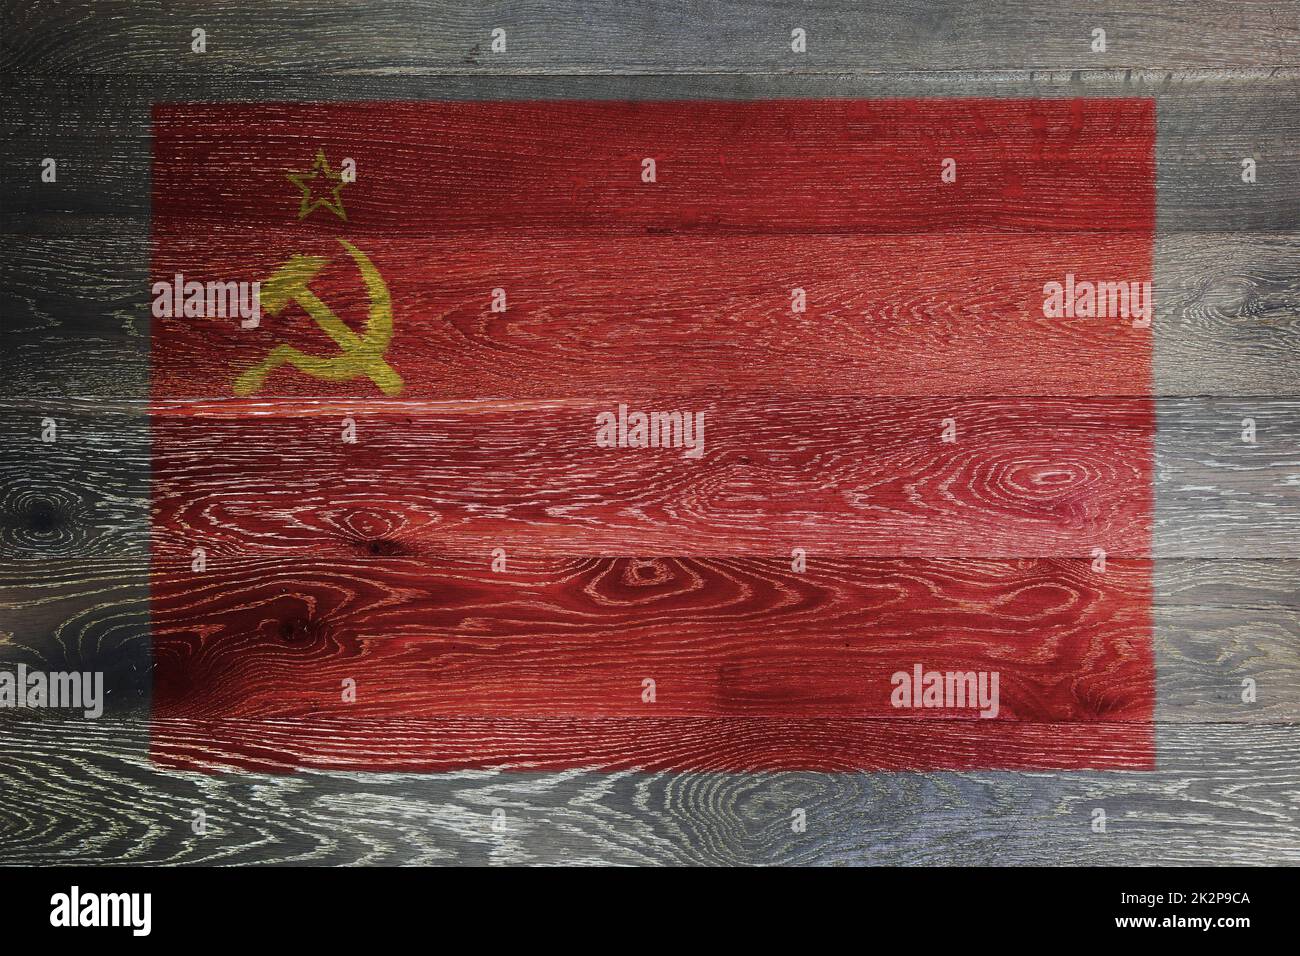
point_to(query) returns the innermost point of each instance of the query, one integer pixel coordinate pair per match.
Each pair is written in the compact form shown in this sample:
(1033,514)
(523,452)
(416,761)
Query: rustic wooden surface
(1207,121)
(74,516)
(1224,794)
(623,36)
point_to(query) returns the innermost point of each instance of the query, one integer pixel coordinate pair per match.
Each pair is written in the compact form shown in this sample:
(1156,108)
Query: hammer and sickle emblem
(361,355)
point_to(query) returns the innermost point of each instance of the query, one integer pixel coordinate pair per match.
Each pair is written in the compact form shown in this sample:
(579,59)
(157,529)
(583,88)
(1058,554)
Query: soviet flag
(691,435)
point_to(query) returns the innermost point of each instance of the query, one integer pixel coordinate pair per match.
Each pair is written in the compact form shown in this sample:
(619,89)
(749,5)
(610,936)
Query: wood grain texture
(1216,496)
(76,315)
(1214,623)
(837,476)
(76,615)
(732,744)
(1227,315)
(556,168)
(1205,655)
(1205,125)
(74,581)
(742,639)
(612,318)
(1227,320)
(395,36)
(1224,793)
(1265,582)
(85,492)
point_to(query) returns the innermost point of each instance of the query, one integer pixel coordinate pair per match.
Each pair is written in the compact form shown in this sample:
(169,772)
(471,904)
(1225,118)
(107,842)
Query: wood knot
(42,516)
(383,547)
(297,630)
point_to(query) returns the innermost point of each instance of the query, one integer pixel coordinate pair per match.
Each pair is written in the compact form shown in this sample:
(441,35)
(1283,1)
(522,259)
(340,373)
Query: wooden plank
(836,476)
(83,616)
(1205,656)
(1216,496)
(1259,583)
(562,167)
(76,316)
(599,36)
(1227,315)
(1214,622)
(1206,124)
(84,492)
(602,318)
(719,638)
(734,744)
(77,313)
(1220,792)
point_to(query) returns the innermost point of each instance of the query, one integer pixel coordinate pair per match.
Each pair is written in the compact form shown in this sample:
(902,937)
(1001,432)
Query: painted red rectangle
(398,479)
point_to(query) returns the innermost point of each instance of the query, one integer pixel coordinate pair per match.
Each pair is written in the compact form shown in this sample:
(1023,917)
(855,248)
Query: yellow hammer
(361,355)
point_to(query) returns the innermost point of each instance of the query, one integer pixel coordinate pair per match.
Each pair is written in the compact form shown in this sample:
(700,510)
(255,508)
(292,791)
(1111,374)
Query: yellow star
(305,180)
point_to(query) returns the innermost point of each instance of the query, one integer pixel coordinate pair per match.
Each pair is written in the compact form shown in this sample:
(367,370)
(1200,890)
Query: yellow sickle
(361,355)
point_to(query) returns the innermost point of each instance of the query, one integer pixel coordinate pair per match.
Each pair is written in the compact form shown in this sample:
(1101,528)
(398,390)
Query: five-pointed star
(327,191)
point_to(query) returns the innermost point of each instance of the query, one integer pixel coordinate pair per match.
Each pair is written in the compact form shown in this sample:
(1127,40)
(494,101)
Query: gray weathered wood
(1227,315)
(600,36)
(86,492)
(1221,793)
(81,616)
(1266,582)
(1217,495)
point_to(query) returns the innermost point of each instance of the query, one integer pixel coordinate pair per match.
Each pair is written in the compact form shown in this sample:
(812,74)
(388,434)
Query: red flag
(686,435)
